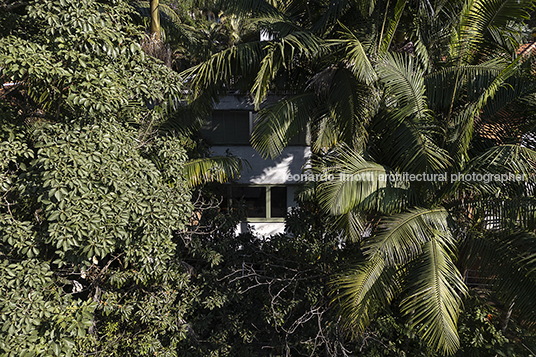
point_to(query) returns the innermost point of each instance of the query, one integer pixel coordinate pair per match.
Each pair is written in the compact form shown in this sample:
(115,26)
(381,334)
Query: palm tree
(408,87)
(458,114)
(155,19)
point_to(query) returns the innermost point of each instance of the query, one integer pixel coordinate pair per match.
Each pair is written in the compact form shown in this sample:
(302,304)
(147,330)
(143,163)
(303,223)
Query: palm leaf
(356,57)
(334,9)
(403,80)
(507,259)
(222,66)
(359,184)
(277,26)
(249,8)
(386,38)
(500,214)
(212,169)
(505,115)
(376,280)
(352,224)
(436,287)
(171,21)
(189,118)
(277,124)
(445,86)
(479,17)
(324,130)
(343,109)
(403,235)
(368,286)
(505,159)
(407,127)
(283,52)
(461,133)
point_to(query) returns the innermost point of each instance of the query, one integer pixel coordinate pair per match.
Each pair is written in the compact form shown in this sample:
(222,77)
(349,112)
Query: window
(234,127)
(252,199)
(278,201)
(259,203)
(227,127)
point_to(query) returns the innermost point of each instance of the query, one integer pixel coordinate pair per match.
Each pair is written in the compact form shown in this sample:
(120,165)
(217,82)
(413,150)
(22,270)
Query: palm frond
(222,66)
(408,125)
(402,235)
(510,109)
(444,86)
(505,159)
(356,57)
(189,118)
(403,80)
(513,88)
(423,56)
(460,135)
(423,239)
(324,130)
(508,260)
(248,7)
(363,185)
(306,192)
(343,110)
(212,169)
(525,242)
(386,38)
(437,289)
(353,225)
(277,124)
(277,26)
(495,13)
(463,125)
(407,147)
(282,53)
(333,11)
(479,17)
(171,21)
(370,285)
(494,214)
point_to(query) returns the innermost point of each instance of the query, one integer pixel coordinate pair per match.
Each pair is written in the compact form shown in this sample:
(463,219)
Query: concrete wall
(270,172)
(261,229)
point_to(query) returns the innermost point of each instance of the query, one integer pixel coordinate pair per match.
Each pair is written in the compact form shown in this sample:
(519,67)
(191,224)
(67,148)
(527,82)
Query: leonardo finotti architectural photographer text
(407,177)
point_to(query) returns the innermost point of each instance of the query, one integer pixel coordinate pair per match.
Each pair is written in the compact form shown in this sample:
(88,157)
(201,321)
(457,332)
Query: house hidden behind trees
(266,186)
(151,192)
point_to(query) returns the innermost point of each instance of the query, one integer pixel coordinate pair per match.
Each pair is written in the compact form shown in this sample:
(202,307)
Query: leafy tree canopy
(91,196)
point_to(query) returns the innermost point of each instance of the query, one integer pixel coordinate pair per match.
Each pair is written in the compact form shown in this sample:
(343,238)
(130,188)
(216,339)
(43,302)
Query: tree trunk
(155,20)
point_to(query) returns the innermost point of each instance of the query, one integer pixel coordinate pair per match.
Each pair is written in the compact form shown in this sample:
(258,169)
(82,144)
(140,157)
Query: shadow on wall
(269,171)
(277,173)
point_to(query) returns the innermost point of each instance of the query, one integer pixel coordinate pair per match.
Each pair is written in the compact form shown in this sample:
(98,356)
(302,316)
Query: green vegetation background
(107,250)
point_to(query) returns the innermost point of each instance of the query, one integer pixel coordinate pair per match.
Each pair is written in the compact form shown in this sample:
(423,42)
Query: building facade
(265,189)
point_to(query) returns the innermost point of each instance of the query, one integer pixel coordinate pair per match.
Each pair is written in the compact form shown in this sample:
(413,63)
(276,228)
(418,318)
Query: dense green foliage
(83,57)
(410,88)
(85,218)
(104,251)
(91,198)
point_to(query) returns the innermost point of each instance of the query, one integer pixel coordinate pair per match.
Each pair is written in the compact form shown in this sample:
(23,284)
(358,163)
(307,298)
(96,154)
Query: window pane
(253,200)
(278,198)
(227,127)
